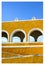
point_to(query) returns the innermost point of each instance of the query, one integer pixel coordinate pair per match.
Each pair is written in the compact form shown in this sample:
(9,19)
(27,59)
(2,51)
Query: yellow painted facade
(26,26)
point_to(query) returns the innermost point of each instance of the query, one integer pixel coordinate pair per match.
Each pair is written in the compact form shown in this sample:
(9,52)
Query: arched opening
(4,37)
(18,36)
(37,36)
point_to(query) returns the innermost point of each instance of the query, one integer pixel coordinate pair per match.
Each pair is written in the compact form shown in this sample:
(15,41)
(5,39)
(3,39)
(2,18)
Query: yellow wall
(26,25)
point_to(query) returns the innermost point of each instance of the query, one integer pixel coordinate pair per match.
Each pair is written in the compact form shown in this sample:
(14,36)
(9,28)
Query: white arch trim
(7,34)
(17,31)
(34,30)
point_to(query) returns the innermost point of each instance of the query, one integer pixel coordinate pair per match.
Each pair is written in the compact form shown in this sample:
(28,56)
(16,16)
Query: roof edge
(22,20)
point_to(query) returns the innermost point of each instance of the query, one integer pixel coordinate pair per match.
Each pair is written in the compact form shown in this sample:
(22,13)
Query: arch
(19,33)
(35,32)
(5,35)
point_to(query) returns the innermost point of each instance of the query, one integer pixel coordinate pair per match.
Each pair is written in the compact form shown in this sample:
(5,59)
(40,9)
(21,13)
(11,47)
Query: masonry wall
(24,25)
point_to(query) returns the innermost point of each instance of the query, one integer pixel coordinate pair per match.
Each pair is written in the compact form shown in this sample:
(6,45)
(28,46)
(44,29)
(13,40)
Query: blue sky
(21,10)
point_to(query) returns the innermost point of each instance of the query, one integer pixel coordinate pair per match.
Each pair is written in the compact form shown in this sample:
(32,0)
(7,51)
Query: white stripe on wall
(22,46)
